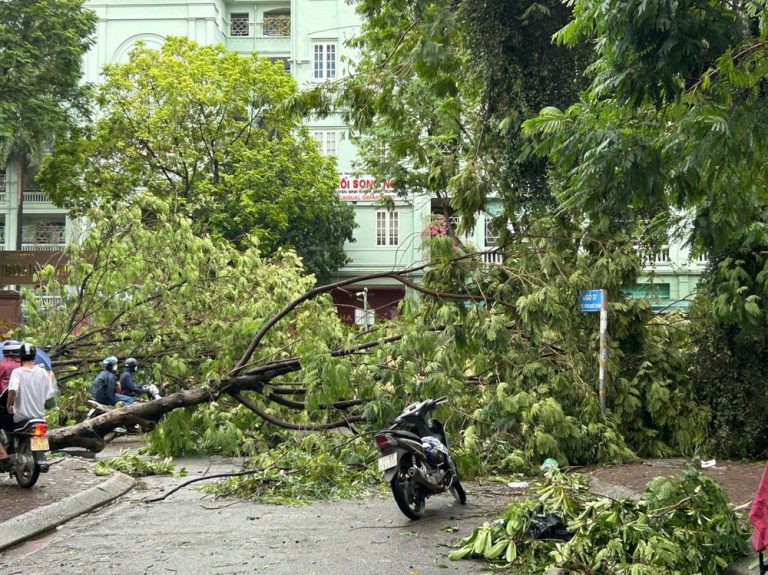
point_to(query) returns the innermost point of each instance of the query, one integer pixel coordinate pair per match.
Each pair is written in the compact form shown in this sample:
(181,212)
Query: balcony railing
(699,261)
(49,301)
(653,256)
(493,258)
(35,247)
(34,196)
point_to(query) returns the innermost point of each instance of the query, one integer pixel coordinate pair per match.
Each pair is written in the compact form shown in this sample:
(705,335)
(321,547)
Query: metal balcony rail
(279,26)
(49,301)
(38,247)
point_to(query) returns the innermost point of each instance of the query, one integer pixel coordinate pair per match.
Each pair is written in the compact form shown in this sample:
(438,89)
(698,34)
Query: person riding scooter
(29,387)
(104,388)
(127,385)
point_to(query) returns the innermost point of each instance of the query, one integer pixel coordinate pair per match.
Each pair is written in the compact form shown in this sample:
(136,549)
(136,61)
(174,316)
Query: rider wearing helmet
(29,387)
(9,362)
(127,385)
(104,388)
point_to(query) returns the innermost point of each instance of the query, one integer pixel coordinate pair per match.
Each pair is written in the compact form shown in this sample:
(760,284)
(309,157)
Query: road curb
(27,525)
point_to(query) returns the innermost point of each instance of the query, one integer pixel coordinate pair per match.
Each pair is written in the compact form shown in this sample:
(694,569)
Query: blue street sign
(591,300)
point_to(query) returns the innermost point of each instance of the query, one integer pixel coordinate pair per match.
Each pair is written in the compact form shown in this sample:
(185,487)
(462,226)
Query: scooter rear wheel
(406,492)
(26,469)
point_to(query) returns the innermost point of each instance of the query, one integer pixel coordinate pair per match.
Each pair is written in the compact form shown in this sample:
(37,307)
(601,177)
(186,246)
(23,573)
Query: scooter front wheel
(407,493)
(458,491)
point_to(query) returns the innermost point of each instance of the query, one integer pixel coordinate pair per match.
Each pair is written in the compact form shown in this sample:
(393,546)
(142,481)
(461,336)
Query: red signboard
(364,189)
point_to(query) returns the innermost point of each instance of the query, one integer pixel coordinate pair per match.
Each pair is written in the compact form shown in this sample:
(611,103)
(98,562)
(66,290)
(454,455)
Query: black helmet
(27,352)
(110,363)
(131,363)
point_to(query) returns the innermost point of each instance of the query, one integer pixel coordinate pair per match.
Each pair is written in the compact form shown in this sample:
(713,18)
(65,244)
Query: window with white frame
(324,60)
(491,237)
(239,24)
(387,228)
(326,142)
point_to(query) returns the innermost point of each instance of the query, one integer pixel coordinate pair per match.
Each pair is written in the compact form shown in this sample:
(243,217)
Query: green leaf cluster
(137,465)
(213,428)
(306,469)
(517,357)
(678,526)
(147,286)
(42,44)
(671,131)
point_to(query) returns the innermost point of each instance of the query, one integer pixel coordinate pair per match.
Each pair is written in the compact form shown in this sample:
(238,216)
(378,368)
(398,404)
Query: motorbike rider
(9,362)
(127,385)
(29,387)
(104,388)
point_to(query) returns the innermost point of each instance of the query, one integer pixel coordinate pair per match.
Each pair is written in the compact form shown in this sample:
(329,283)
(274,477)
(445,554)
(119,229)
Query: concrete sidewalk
(69,489)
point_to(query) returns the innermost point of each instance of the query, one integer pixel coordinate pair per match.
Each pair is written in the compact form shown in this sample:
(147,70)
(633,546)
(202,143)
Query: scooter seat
(403,434)
(24,425)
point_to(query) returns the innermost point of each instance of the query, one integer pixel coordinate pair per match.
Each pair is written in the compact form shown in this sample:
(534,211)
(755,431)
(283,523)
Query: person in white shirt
(29,387)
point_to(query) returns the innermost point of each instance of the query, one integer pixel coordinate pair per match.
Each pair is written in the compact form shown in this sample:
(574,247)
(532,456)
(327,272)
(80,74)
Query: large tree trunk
(90,433)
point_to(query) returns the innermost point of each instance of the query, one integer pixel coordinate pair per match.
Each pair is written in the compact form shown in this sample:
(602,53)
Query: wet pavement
(67,476)
(190,532)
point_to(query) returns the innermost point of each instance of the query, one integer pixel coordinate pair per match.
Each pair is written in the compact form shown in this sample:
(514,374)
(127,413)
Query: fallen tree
(216,326)
(90,433)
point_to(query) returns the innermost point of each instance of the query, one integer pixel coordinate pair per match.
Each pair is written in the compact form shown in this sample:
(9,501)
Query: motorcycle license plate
(39,444)
(387,461)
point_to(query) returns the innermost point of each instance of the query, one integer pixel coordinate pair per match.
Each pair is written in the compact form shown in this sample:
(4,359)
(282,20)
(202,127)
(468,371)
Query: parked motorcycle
(415,459)
(26,448)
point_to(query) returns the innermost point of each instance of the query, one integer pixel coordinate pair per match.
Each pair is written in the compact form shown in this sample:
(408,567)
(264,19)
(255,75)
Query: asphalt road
(190,533)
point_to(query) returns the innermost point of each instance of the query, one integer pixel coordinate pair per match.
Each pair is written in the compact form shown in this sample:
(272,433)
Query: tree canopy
(506,341)
(441,90)
(672,131)
(214,134)
(42,44)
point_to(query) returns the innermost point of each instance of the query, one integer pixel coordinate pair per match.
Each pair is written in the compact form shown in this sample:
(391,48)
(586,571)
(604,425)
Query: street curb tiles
(27,525)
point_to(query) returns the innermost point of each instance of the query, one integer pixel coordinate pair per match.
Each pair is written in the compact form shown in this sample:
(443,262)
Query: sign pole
(603,347)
